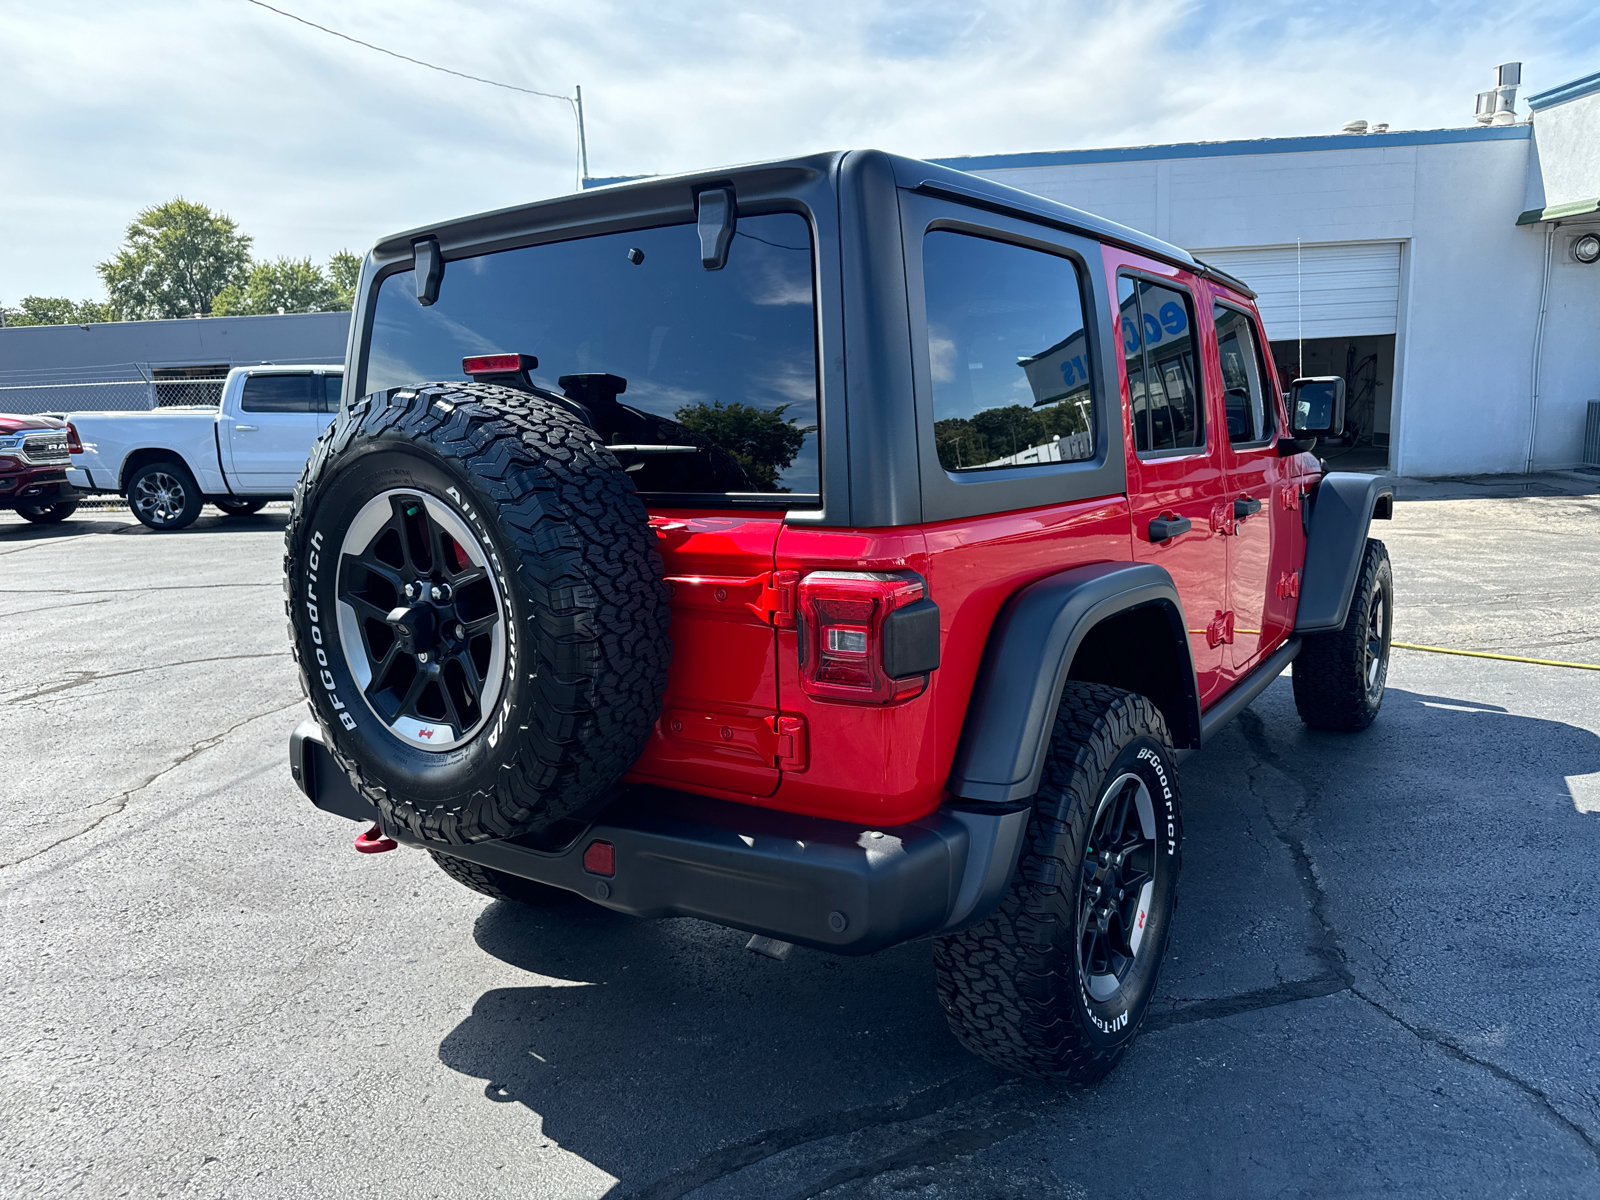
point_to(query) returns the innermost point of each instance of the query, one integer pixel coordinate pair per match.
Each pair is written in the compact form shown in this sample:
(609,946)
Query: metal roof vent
(1354,127)
(1498,105)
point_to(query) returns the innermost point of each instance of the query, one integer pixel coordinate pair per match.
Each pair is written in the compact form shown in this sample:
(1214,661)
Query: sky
(314,145)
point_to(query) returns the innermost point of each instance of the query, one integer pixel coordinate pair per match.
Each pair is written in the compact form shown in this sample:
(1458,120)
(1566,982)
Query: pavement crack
(730,1159)
(1540,1101)
(1326,947)
(82,678)
(1292,992)
(943,1147)
(120,801)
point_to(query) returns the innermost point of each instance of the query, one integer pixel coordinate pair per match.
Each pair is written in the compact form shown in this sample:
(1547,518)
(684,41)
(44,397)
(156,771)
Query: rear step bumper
(832,885)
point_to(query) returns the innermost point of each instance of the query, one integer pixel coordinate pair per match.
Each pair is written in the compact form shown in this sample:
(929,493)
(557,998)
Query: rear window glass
(282,393)
(1007,354)
(720,363)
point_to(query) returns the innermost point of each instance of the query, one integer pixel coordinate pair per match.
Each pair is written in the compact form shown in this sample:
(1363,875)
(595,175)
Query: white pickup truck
(237,454)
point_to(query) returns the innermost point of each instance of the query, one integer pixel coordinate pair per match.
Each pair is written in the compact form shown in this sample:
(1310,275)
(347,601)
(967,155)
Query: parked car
(34,453)
(237,454)
(846,550)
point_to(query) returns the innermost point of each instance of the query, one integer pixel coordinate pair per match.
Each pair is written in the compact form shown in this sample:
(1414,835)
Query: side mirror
(1316,406)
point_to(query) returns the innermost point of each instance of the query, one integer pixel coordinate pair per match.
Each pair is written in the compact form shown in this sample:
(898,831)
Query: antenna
(583,145)
(1299,310)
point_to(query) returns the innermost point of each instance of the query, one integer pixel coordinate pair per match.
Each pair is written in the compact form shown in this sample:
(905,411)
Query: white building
(1436,270)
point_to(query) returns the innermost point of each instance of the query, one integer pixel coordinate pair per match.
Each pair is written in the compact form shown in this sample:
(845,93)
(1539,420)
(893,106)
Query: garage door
(1339,291)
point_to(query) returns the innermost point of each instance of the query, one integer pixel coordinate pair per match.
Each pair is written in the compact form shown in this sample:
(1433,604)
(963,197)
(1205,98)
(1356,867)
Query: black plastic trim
(911,640)
(1031,648)
(1342,508)
(777,874)
(1246,690)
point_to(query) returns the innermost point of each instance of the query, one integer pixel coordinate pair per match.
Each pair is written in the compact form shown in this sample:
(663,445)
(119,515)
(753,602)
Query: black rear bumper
(833,885)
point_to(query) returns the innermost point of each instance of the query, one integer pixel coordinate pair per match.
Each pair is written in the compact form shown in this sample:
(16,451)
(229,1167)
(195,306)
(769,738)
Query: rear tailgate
(717,732)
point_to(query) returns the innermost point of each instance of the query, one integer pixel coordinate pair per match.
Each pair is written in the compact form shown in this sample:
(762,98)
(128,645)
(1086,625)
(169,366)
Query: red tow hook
(373,842)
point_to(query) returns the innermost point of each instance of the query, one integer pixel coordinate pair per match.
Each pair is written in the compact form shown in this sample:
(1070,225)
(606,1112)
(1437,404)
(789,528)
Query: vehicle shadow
(643,1046)
(122,523)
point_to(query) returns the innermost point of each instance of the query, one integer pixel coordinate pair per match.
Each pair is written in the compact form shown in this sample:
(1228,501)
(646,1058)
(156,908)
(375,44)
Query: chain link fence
(107,395)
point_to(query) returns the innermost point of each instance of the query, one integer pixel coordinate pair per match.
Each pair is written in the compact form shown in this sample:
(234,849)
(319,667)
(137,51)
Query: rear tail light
(600,859)
(866,636)
(74,446)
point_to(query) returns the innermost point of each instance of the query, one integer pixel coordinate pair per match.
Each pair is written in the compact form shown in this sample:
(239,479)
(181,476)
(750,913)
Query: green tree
(57,310)
(291,285)
(344,270)
(176,258)
(762,442)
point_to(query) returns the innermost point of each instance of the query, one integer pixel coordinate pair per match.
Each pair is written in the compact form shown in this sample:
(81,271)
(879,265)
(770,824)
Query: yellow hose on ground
(1538,662)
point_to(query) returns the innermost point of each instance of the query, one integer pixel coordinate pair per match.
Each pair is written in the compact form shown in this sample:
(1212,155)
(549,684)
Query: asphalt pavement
(1383,979)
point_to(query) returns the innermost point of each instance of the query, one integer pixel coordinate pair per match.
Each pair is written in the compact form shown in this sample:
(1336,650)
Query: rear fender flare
(1336,537)
(1031,648)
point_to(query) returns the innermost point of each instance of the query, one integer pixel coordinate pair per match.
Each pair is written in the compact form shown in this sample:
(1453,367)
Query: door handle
(244,428)
(1165,528)
(1244,506)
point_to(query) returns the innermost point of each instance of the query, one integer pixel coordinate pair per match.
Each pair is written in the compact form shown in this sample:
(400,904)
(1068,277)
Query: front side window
(281,393)
(1008,354)
(722,363)
(1251,413)
(1157,324)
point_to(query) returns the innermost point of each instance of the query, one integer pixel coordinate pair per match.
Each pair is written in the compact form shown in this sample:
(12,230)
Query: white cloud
(313,144)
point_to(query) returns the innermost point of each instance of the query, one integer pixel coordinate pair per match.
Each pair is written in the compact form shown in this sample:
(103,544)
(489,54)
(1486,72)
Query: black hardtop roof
(673,196)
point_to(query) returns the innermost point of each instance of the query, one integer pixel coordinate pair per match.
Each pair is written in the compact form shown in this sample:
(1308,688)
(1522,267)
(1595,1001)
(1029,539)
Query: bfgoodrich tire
(477,608)
(497,885)
(1339,676)
(1057,981)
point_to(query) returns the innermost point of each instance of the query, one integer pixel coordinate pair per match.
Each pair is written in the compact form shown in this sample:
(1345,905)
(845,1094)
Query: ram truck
(34,452)
(237,454)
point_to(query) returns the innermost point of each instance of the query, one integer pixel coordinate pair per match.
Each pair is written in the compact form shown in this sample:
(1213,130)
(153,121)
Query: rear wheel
(1339,676)
(47,514)
(497,885)
(1056,982)
(163,496)
(239,508)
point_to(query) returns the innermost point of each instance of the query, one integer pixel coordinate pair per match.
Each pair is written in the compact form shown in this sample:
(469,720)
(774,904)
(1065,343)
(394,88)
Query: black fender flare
(1003,744)
(1342,509)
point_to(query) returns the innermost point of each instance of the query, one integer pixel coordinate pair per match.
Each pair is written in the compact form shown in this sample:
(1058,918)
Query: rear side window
(1007,353)
(1251,412)
(720,363)
(1158,342)
(331,387)
(282,394)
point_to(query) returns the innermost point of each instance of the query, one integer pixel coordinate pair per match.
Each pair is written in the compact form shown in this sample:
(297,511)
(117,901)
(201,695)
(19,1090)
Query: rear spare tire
(477,608)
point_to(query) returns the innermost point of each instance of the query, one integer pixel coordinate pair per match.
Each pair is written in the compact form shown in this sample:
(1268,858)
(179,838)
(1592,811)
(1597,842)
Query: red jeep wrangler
(845,550)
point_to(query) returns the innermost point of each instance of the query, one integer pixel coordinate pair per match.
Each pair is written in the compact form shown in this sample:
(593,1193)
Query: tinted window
(1251,412)
(331,384)
(721,361)
(282,393)
(1007,352)
(1158,341)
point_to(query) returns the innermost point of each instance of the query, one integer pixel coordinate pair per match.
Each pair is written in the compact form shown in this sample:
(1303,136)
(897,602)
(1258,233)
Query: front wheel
(47,514)
(163,496)
(1339,676)
(1056,982)
(239,508)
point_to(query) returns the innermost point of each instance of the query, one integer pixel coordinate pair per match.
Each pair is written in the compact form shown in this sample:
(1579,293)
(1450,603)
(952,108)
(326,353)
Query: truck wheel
(1339,676)
(497,885)
(477,607)
(47,514)
(1056,982)
(239,508)
(163,496)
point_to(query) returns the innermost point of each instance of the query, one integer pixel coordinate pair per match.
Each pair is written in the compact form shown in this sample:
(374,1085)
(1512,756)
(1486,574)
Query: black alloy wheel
(1115,886)
(421,619)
